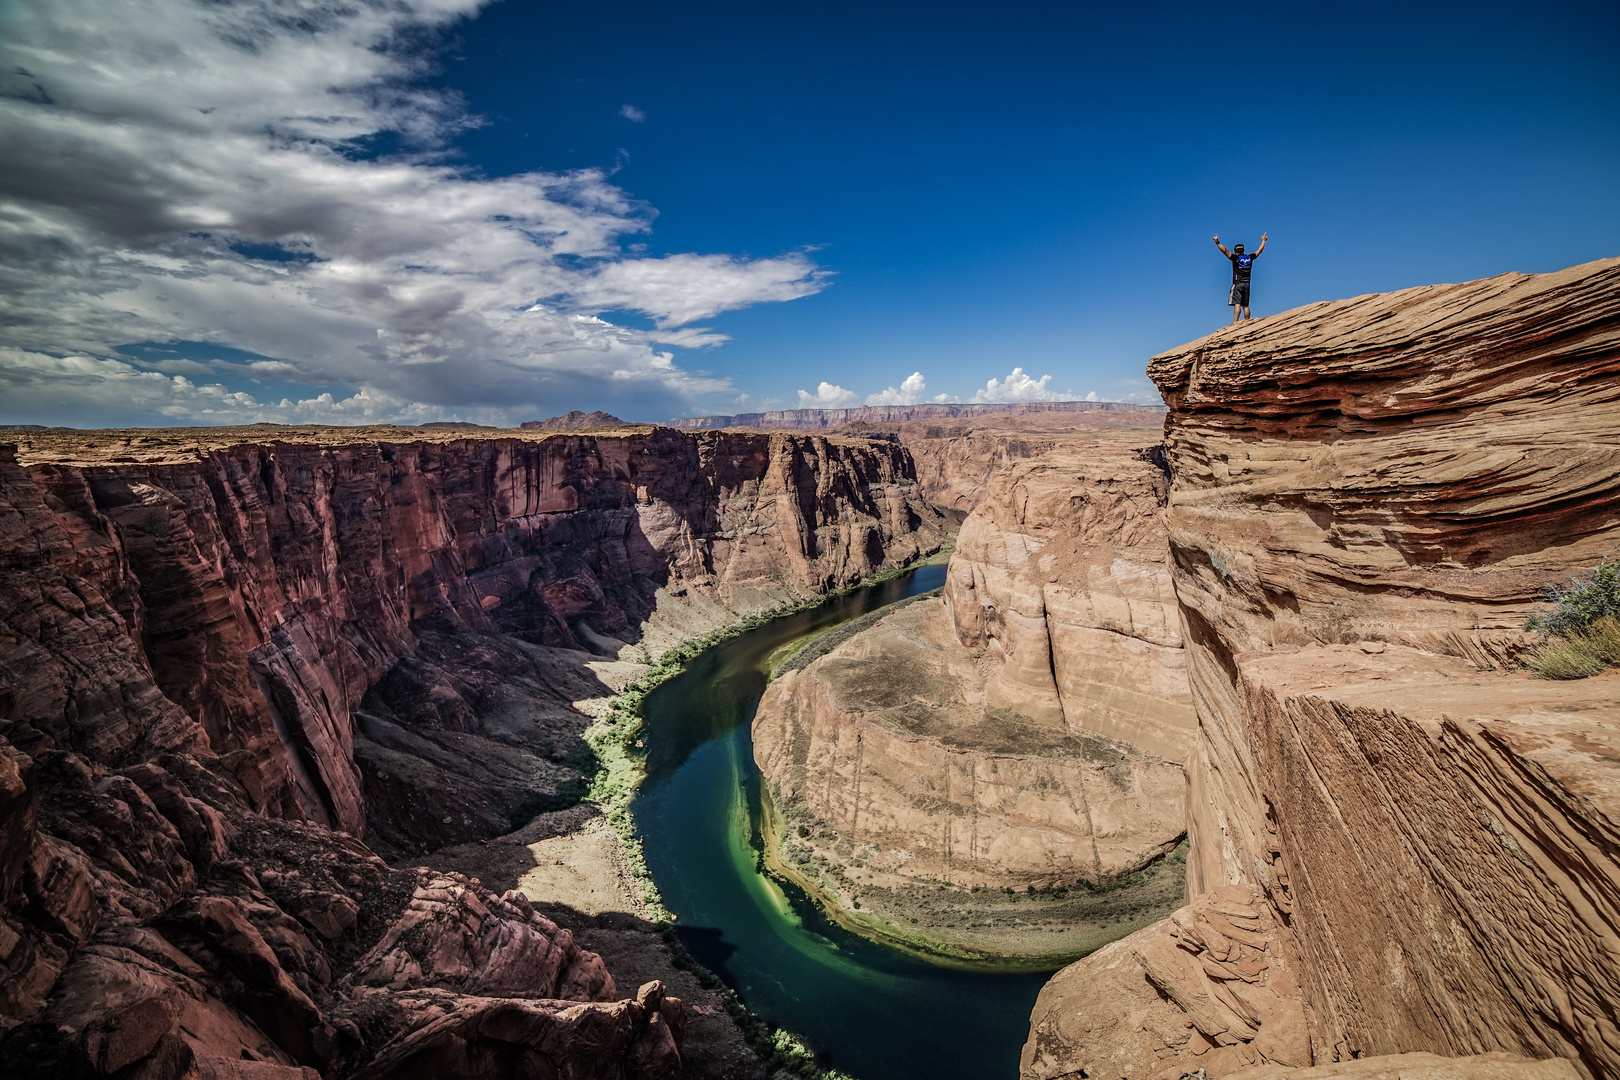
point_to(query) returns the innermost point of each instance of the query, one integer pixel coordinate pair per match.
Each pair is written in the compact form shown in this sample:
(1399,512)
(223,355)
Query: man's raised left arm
(1262,246)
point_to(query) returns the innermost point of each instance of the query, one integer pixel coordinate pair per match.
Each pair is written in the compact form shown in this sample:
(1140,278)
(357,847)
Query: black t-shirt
(1242,265)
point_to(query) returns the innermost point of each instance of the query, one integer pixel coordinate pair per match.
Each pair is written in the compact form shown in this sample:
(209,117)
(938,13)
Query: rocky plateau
(817,419)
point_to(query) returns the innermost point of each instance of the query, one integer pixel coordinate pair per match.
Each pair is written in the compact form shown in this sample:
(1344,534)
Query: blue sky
(758,200)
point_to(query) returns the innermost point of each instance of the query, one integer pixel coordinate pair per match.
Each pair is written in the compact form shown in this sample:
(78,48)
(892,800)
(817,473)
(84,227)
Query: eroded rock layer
(889,740)
(222,664)
(1211,983)
(1367,498)
(1026,731)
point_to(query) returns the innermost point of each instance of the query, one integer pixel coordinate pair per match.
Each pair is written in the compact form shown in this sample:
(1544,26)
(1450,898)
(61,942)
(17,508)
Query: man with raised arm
(1242,265)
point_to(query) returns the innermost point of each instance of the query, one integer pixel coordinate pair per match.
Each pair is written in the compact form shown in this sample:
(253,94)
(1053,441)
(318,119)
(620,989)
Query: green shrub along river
(863,1008)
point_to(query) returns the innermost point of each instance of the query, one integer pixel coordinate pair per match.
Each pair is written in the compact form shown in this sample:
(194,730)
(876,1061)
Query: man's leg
(1237,313)
(1246,314)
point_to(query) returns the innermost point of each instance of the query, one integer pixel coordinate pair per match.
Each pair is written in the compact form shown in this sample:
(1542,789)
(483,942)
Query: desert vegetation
(1582,631)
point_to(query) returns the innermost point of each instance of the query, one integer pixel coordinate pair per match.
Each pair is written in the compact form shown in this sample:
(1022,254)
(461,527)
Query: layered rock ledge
(1368,496)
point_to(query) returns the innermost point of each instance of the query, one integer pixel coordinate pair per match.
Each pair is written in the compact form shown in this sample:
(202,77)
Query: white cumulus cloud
(912,391)
(107,391)
(195,171)
(828,396)
(632,114)
(1018,387)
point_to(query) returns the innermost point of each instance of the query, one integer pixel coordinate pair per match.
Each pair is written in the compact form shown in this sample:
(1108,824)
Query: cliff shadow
(592,580)
(477,735)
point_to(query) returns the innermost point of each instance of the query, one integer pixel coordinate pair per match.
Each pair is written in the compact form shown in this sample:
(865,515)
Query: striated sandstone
(495,1039)
(1209,988)
(1421,1066)
(1367,498)
(452,936)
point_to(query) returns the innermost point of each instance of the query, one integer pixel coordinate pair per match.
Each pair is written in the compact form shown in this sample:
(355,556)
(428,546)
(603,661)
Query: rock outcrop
(890,742)
(1367,498)
(574,420)
(1026,731)
(1211,984)
(134,949)
(221,664)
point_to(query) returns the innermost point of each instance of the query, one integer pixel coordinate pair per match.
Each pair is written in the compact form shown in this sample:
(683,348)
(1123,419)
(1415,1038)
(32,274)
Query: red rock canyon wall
(186,635)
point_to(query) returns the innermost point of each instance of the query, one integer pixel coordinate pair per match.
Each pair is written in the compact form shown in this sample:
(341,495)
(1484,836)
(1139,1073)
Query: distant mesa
(455,424)
(808,419)
(574,419)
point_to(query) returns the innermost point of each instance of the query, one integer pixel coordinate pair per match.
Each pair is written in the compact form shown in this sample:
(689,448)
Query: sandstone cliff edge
(1400,840)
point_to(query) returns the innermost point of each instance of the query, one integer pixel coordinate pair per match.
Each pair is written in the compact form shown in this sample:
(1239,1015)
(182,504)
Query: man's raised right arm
(1217,239)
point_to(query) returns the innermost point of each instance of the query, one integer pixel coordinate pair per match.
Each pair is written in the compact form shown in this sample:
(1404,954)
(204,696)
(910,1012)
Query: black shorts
(1240,295)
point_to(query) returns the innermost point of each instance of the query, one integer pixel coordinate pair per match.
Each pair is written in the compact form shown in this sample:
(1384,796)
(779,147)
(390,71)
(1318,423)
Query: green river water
(869,1010)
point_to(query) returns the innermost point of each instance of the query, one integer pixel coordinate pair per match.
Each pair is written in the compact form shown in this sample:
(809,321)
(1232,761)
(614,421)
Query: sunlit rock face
(1062,576)
(1367,498)
(1028,728)
(210,647)
(890,742)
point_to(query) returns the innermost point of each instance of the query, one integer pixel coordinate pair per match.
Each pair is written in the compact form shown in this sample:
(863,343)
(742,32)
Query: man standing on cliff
(1242,265)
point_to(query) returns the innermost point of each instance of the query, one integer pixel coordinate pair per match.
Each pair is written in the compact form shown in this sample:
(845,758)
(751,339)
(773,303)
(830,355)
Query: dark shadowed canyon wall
(191,625)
